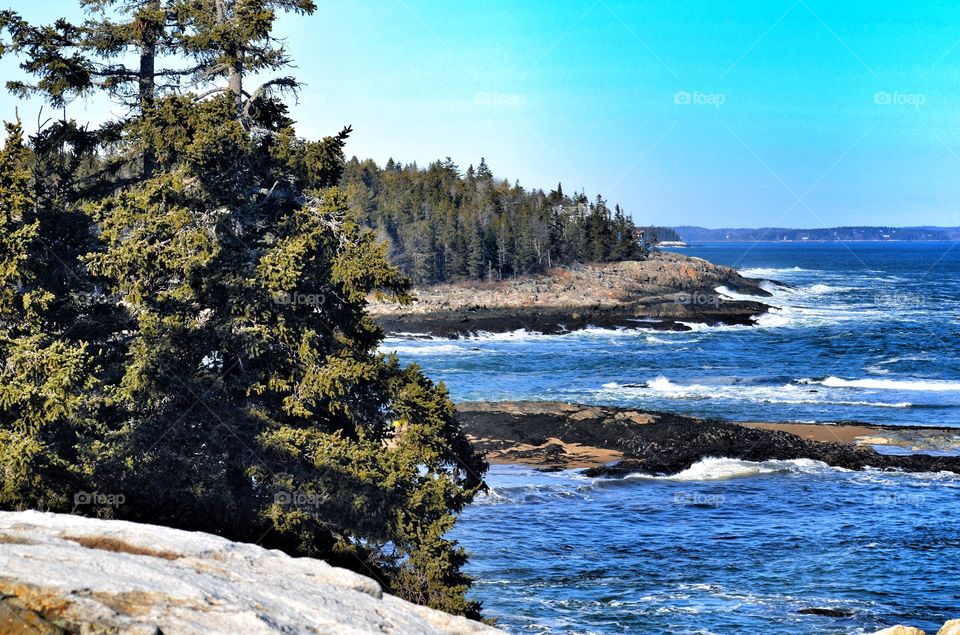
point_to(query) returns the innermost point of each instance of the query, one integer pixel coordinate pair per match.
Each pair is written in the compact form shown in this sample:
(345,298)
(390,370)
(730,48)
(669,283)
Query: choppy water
(865,332)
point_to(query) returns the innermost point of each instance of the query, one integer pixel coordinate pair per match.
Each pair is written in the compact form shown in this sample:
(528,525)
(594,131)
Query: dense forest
(655,235)
(443,224)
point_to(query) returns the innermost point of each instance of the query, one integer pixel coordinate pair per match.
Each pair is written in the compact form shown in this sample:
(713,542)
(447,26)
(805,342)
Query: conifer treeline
(443,225)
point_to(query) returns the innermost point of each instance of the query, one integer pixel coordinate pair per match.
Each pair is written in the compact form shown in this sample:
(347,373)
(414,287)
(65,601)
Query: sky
(741,113)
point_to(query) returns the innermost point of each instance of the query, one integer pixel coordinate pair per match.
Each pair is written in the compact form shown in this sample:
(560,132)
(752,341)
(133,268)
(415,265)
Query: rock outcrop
(664,292)
(663,443)
(950,628)
(68,574)
(900,629)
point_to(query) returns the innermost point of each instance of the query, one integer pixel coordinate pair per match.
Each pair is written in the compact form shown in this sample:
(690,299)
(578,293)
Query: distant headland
(691,233)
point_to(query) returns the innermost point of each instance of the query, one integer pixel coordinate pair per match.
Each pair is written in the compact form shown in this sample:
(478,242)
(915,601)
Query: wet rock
(663,443)
(825,612)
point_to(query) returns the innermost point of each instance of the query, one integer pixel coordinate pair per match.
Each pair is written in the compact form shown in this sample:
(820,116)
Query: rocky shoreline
(612,442)
(667,291)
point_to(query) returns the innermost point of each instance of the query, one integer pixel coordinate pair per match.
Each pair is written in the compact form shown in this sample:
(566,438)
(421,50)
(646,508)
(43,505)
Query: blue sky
(800,113)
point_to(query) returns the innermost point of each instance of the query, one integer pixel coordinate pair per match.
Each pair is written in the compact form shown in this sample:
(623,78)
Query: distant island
(828,234)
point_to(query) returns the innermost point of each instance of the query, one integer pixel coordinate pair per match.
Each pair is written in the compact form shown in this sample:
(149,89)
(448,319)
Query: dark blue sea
(864,331)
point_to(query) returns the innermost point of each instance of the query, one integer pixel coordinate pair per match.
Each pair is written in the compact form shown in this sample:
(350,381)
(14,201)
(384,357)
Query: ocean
(861,332)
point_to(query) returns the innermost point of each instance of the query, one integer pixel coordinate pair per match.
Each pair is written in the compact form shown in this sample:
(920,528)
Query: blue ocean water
(865,332)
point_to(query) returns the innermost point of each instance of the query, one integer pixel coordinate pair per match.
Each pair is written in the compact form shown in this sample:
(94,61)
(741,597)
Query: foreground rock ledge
(613,441)
(68,574)
(666,291)
(950,628)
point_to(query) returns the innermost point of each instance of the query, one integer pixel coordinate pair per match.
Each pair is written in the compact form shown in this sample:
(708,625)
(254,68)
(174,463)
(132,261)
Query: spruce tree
(47,380)
(232,382)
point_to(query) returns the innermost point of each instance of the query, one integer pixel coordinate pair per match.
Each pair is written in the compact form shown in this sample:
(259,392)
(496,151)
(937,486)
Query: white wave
(906,358)
(774,289)
(652,339)
(718,468)
(797,316)
(412,335)
(518,335)
(782,296)
(775,318)
(912,480)
(772,272)
(590,332)
(661,387)
(926,385)
(429,348)
(730,294)
(823,289)
(700,327)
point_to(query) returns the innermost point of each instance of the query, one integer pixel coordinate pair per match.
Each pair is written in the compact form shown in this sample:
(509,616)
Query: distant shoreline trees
(442,225)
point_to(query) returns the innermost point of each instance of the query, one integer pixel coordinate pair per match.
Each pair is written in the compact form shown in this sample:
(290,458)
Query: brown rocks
(662,292)
(950,628)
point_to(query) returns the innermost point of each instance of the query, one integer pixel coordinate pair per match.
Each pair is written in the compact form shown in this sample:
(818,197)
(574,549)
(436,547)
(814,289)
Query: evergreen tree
(443,226)
(232,382)
(46,382)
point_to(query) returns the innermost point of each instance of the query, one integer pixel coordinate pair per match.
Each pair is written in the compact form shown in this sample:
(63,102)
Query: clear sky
(802,113)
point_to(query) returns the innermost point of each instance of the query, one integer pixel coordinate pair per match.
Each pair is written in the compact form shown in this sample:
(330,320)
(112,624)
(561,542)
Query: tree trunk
(234,57)
(146,77)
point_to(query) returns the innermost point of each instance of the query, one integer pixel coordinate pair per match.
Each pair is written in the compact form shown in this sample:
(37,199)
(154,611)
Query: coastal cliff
(667,291)
(64,574)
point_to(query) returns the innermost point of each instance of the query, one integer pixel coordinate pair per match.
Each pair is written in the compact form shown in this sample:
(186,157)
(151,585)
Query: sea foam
(792,393)
(926,385)
(719,468)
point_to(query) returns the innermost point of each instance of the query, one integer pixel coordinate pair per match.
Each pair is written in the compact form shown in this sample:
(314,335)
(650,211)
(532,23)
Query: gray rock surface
(69,574)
